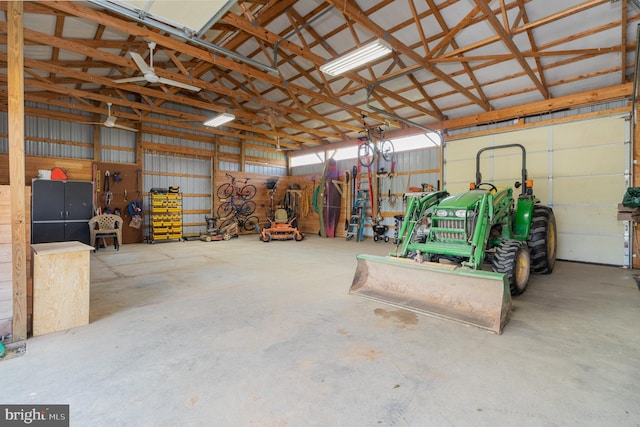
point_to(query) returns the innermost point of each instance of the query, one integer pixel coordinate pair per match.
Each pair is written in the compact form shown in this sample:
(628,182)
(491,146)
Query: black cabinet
(60,210)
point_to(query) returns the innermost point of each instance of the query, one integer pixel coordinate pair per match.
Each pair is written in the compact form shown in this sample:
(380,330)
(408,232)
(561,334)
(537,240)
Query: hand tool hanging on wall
(107,189)
(347,199)
(392,197)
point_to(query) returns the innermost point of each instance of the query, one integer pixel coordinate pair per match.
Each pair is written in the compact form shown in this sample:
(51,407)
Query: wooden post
(97,140)
(140,164)
(15,68)
(635,235)
(242,154)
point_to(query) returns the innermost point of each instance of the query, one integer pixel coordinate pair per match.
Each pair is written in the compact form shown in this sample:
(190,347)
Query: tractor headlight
(441,212)
(461,213)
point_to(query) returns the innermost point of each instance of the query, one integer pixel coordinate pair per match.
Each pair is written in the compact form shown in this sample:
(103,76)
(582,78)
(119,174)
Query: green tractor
(446,243)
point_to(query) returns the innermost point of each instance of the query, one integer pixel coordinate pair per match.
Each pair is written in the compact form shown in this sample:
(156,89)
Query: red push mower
(281,228)
(214,233)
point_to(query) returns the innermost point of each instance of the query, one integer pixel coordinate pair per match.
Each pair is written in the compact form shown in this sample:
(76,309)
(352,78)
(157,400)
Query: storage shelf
(165,217)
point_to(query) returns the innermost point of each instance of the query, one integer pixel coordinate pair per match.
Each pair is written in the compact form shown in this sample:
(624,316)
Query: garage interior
(185,324)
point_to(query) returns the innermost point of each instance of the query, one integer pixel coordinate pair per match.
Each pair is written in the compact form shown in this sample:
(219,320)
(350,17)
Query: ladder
(358,216)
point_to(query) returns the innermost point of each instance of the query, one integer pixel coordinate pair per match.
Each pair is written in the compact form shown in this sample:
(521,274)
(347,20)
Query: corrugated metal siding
(576,112)
(48,129)
(123,143)
(265,170)
(229,149)
(38,127)
(162,171)
(229,166)
(180,142)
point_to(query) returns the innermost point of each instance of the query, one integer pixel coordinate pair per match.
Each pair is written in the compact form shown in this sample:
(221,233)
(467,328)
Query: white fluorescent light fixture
(220,119)
(358,57)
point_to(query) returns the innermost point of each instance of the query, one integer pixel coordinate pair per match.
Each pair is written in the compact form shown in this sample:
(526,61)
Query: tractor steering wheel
(491,186)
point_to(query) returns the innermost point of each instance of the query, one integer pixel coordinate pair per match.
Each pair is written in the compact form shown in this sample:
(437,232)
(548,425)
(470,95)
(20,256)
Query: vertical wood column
(635,235)
(97,140)
(242,154)
(15,67)
(140,164)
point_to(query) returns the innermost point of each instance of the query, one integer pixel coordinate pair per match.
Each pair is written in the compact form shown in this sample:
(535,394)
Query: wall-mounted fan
(110,122)
(149,74)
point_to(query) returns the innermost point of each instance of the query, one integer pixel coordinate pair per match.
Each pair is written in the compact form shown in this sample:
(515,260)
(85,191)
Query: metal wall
(576,112)
(407,163)
(117,145)
(192,175)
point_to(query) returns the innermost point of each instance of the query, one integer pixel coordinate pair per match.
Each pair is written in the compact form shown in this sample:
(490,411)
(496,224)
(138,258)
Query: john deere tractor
(463,256)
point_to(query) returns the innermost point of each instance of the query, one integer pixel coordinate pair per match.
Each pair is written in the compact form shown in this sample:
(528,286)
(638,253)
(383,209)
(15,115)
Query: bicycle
(236,206)
(368,149)
(243,190)
(247,222)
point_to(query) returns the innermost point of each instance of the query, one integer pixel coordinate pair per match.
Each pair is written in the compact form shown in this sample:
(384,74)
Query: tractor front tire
(512,258)
(542,240)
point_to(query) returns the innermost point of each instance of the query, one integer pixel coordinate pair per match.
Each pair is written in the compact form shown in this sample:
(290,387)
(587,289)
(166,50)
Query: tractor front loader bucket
(474,297)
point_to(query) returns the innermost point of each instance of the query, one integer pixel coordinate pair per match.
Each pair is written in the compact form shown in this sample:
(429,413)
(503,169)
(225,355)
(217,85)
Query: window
(307,159)
(346,153)
(414,142)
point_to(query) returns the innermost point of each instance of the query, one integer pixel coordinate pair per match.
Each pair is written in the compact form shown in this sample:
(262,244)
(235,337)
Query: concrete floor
(245,333)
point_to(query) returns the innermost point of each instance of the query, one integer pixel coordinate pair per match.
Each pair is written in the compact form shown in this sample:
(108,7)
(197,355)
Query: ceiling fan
(279,148)
(149,74)
(272,122)
(110,122)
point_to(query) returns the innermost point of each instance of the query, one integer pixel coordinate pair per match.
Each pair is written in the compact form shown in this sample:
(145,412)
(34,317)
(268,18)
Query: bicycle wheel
(225,191)
(247,208)
(387,150)
(248,191)
(365,154)
(226,209)
(227,223)
(250,223)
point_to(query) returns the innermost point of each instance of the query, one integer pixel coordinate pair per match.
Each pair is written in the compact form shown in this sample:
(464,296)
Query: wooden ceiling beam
(273,39)
(110,58)
(540,107)
(97,16)
(531,25)
(356,14)
(532,42)
(454,44)
(507,40)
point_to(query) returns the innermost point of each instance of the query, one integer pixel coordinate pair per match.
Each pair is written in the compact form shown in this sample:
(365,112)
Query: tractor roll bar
(524,164)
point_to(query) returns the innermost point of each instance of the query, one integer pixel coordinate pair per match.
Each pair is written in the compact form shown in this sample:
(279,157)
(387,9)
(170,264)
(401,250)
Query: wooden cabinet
(61,283)
(165,216)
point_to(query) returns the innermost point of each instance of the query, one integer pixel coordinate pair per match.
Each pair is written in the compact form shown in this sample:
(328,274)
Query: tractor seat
(281,216)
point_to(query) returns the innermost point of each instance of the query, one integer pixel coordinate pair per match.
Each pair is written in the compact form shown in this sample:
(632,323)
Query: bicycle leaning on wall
(231,189)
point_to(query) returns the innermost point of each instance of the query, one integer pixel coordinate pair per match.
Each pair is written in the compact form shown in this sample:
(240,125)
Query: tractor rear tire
(512,258)
(542,240)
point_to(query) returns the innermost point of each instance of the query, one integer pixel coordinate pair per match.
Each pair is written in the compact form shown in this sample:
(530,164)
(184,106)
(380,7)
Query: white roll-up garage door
(578,168)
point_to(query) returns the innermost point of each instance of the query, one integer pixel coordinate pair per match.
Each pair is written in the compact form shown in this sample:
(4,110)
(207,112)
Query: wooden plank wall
(131,181)
(309,223)
(76,169)
(6,265)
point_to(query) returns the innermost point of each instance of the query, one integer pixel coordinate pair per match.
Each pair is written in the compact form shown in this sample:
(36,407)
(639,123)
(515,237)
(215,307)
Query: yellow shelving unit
(165,216)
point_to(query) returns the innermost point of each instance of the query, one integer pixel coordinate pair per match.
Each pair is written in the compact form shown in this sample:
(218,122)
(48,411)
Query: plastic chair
(106,226)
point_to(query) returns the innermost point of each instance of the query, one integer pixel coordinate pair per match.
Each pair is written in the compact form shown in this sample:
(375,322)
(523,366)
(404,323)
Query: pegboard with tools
(116,186)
